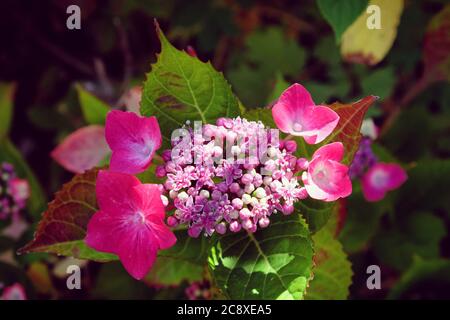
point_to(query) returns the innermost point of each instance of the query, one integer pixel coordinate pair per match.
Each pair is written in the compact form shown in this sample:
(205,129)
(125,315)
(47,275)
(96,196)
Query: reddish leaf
(436,47)
(63,226)
(348,129)
(82,150)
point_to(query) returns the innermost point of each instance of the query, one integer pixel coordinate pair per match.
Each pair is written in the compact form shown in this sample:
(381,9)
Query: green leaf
(186,261)
(260,114)
(379,82)
(181,87)
(63,226)
(416,281)
(280,85)
(273,52)
(418,235)
(341,14)
(94,110)
(362,220)
(332,271)
(9,153)
(272,263)
(428,182)
(316,213)
(6,108)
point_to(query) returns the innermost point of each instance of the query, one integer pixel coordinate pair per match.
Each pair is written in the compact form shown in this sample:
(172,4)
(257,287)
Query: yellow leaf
(363,41)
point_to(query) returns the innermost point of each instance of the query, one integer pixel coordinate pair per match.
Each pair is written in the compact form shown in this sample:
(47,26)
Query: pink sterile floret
(295,113)
(130,222)
(381,178)
(14,292)
(327,179)
(133,140)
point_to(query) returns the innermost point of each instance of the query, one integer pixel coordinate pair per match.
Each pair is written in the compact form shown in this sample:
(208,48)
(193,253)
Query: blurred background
(261,47)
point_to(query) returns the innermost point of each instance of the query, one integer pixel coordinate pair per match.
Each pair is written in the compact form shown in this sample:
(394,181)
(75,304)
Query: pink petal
(114,191)
(82,150)
(291,103)
(328,179)
(297,97)
(397,176)
(138,253)
(148,197)
(165,237)
(131,240)
(332,151)
(133,140)
(104,233)
(295,113)
(380,178)
(321,119)
(14,292)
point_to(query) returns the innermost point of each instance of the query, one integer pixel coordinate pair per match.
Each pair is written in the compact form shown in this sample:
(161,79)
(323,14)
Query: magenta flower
(295,113)
(327,179)
(14,292)
(381,178)
(133,140)
(130,222)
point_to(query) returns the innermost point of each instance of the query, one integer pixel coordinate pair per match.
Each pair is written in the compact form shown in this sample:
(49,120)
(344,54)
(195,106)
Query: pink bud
(247,178)
(247,224)
(160,171)
(172,221)
(234,187)
(237,203)
(302,164)
(235,226)
(221,228)
(245,214)
(263,222)
(194,231)
(167,155)
(290,146)
(288,209)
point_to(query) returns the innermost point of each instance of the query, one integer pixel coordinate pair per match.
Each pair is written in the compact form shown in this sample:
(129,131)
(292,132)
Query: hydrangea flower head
(133,140)
(381,178)
(295,113)
(130,222)
(326,178)
(217,187)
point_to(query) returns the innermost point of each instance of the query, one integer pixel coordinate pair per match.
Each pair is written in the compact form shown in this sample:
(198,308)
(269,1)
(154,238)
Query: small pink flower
(133,140)
(130,222)
(295,113)
(326,178)
(20,190)
(14,292)
(381,178)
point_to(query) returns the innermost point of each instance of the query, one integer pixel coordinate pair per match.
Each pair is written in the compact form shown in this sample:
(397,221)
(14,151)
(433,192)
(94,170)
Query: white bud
(173,194)
(204,194)
(260,193)
(164,200)
(267,180)
(271,152)
(183,195)
(249,188)
(246,198)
